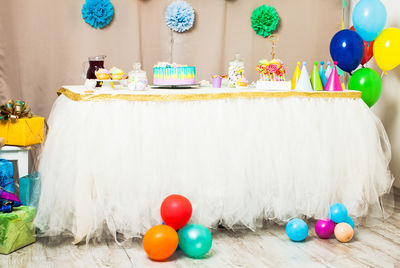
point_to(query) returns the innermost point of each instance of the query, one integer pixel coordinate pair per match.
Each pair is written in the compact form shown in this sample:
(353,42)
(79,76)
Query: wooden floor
(377,246)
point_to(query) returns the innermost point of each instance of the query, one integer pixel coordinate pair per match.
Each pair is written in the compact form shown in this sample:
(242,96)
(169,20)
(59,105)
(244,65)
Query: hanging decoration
(264,20)
(179,16)
(97,13)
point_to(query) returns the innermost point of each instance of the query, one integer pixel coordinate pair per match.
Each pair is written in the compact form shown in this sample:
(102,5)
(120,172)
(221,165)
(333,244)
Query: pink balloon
(324,228)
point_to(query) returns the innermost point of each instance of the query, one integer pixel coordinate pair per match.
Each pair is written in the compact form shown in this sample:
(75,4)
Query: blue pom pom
(179,16)
(97,13)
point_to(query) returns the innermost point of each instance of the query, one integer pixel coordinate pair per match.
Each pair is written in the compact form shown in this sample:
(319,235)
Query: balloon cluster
(161,241)
(339,223)
(367,39)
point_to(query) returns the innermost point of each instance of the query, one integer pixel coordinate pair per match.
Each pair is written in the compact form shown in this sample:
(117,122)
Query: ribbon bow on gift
(11,199)
(14,110)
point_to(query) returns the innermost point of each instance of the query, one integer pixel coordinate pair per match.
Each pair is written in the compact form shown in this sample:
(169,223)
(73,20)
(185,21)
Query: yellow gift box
(23,131)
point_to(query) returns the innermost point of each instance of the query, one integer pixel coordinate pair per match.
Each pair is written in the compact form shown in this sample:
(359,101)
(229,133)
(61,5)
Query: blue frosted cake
(173,74)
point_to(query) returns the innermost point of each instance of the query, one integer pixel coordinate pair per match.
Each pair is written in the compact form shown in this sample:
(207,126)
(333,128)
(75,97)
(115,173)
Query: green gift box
(17,229)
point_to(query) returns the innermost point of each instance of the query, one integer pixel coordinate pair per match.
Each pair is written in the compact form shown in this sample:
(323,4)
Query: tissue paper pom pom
(97,13)
(179,16)
(264,20)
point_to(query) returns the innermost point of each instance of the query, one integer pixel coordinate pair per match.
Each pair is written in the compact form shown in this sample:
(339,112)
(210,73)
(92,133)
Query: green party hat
(316,79)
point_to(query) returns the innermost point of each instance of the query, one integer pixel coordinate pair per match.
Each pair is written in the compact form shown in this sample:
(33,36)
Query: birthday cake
(165,73)
(272,75)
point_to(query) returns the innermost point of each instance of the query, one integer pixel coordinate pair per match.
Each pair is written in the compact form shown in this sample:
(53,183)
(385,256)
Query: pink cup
(216,81)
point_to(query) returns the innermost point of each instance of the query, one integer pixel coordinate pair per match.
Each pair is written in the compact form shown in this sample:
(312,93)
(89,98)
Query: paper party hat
(333,83)
(304,84)
(322,74)
(296,75)
(315,79)
(328,70)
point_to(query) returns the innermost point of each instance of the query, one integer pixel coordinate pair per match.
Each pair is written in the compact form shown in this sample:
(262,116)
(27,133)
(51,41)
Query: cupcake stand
(240,155)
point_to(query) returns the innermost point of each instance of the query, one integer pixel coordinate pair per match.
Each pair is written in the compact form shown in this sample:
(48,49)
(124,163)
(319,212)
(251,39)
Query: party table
(240,155)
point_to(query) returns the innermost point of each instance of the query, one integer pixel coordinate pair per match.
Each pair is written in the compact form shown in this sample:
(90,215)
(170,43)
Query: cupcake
(242,82)
(102,74)
(116,74)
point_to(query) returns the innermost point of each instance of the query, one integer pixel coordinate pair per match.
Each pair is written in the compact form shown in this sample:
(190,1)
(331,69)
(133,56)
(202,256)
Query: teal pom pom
(179,16)
(97,13)
(264,20)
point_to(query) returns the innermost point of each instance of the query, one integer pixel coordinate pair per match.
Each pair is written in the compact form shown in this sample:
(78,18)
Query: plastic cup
(216,81)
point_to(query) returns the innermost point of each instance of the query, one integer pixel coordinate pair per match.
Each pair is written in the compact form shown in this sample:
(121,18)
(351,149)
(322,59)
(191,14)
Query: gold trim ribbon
(14,110)
(208,96)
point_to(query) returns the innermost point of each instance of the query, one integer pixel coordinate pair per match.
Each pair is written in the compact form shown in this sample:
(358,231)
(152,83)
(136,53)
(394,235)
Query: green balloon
(369,83)
(195,240)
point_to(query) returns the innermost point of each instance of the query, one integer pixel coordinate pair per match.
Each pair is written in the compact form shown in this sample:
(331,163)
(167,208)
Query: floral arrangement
(264,20)
(179,16)
(97,13)
(271,70)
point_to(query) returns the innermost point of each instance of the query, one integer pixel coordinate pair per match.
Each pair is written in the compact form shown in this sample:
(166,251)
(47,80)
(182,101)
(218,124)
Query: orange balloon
(344,232)
(160,242)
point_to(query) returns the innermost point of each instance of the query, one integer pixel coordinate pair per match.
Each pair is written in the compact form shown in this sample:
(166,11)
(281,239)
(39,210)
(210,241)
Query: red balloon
(176,211)
(368,49)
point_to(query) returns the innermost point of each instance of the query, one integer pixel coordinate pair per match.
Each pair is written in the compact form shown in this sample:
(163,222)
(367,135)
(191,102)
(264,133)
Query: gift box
(29,189)
(17,229)
(7,175)
(23,131)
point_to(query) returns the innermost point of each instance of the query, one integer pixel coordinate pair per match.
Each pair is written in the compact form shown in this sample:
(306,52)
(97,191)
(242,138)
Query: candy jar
(137,79)
(235,71)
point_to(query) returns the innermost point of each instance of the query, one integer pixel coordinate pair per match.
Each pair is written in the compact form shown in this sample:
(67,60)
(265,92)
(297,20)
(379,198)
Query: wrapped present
(18,126)
(29,189)
(17,229)
(7,175)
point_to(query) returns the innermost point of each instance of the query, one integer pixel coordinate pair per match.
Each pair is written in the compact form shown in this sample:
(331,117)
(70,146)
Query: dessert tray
(108,84)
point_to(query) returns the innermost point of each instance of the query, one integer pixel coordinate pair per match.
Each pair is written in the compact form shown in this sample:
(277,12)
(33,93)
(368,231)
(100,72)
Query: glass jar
(235,71)
(137,79)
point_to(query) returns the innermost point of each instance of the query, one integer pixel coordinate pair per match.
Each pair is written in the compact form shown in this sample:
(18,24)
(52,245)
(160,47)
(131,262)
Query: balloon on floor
(160,242)
(195,240)
(176,211)
(297,230)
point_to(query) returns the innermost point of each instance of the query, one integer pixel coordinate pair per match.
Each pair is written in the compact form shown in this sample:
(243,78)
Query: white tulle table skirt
(107,165)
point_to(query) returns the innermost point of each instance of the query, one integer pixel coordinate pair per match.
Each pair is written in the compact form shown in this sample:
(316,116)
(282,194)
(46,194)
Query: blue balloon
(347,49)
(369,19)
(297,230)
(338,213)
(350,221)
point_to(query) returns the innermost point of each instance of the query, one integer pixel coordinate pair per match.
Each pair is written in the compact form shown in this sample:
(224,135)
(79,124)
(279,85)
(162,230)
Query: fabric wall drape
(43,43)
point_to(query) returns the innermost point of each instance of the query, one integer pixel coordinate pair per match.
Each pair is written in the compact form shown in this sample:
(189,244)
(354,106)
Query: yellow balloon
(387,49)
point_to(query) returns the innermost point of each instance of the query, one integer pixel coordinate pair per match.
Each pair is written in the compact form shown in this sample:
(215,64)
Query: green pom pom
(264,20)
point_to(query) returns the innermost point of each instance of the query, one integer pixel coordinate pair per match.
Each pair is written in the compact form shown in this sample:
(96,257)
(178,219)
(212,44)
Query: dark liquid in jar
(94,65)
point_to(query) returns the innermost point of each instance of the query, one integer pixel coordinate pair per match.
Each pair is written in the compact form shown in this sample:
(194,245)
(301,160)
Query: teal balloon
(338,213)
(297,230)
(195,240)
(369,19)
(350,221)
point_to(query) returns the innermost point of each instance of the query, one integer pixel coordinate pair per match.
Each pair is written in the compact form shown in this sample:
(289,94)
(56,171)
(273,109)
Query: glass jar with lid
(137,79)
(235,71)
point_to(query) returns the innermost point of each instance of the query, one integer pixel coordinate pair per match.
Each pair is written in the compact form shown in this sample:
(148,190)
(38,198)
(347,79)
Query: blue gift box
(29,189)
(6,175)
